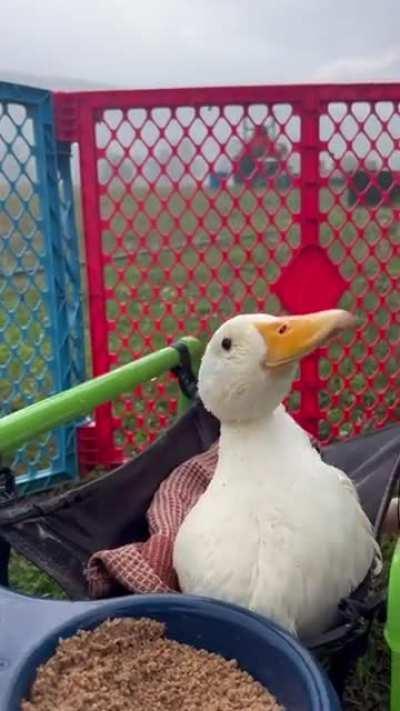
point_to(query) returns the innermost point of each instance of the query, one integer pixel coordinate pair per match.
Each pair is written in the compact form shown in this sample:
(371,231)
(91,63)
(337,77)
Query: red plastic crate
(202,203)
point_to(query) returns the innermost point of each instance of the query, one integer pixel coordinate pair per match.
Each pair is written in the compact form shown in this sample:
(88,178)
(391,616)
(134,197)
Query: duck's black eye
(226,344)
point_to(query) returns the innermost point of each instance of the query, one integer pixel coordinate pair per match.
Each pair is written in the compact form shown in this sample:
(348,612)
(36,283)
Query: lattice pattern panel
(26,347)
(34,350)
(202,204)
(199,215)
(359,202)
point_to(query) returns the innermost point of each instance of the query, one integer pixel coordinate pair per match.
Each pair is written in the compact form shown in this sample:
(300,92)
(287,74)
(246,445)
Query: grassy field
(180,262)
(224,252)
(368,687)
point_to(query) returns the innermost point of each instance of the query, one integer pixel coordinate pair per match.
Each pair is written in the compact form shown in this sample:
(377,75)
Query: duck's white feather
(278,530)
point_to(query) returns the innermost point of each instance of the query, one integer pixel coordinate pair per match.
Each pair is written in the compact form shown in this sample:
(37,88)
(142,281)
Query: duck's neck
(261,446)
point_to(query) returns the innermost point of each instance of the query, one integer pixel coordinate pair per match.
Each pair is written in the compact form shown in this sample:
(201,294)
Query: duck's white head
(250,362)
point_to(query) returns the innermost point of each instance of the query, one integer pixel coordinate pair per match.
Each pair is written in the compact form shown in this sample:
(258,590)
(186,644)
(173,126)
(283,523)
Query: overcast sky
(153,43)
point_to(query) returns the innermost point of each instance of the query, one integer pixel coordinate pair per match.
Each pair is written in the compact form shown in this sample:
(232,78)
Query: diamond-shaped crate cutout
(310,282)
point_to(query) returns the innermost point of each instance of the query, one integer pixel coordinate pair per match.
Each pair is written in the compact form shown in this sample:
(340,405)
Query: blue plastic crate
(40,300)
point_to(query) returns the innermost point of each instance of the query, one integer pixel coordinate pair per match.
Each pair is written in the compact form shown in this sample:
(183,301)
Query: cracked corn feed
(128,664)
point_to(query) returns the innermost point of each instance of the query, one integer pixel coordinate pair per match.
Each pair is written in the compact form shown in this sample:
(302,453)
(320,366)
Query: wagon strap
(374,605)
(184,371)
(8,490)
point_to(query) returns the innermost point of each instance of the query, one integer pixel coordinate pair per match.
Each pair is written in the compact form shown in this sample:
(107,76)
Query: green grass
(368,687)
(28,579)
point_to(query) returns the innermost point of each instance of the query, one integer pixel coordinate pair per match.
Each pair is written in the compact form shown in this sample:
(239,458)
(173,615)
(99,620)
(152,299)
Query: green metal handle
(392,629)
(67,406)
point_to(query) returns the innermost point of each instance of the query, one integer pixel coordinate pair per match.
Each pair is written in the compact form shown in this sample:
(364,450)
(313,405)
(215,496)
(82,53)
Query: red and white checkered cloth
(147,567)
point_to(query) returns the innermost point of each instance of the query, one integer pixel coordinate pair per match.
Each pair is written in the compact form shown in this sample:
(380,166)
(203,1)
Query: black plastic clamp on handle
(184,371)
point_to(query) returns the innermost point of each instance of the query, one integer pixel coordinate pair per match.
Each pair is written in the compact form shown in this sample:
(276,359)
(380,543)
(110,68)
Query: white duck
(277,531)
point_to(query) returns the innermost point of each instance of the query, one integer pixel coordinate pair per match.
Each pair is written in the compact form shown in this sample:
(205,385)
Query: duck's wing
(347,483)
(349,487)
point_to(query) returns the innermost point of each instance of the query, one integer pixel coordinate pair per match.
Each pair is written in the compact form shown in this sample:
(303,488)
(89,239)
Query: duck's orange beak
(292,337)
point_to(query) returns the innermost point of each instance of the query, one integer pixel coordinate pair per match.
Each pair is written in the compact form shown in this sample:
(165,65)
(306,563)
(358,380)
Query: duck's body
(278,531)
